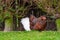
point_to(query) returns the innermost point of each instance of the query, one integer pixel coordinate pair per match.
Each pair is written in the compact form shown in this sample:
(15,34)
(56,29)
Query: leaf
(7,14)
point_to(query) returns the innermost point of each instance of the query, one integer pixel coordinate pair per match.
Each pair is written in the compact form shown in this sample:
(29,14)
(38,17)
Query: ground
(32,35)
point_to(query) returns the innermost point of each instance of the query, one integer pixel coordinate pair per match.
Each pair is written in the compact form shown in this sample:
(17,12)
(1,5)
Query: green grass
(32,35)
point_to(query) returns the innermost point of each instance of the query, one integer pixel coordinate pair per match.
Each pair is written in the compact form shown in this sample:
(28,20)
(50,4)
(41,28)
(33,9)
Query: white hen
(26,24)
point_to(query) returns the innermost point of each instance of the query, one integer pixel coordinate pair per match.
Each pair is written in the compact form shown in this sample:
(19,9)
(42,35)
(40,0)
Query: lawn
(32,35)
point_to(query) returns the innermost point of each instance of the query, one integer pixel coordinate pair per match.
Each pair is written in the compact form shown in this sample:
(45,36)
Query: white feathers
(26,24)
